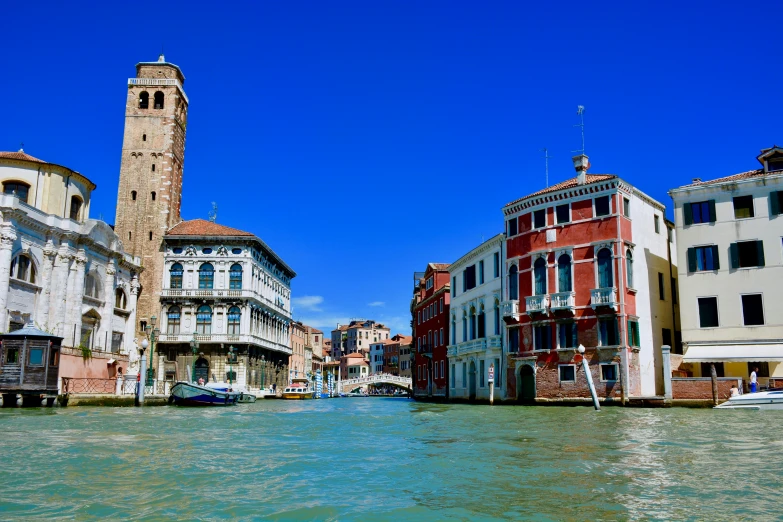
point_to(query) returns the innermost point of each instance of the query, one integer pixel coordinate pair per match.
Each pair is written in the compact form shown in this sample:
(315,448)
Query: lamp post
(194,349)
(263,371)
(231,359)
(153,332)
(142,370)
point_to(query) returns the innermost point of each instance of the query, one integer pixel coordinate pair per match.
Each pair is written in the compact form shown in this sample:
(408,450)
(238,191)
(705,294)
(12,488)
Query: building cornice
(473,254)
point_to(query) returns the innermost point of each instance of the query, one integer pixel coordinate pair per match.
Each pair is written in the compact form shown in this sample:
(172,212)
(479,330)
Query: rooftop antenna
(546,164)
(213,213)
(580,110)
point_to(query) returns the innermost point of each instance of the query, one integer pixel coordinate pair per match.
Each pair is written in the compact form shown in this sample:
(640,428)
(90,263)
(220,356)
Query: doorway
(527,385)
(202,369)
(472,386)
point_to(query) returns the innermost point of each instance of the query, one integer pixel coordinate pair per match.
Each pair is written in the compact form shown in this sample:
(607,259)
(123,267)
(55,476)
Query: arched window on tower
(144,100)
(76,207)
(204,320)
(22,268)
(120,301)
(158,100)
(133,195)
(234,318)
(17,188)
(172,324)
(206,276)
(235,277)
(175,276)
(153,195)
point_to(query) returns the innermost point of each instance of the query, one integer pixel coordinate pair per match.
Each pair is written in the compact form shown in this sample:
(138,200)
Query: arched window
(453,329)
(235,277)
(18,189)
(175,276)
(144,100)
(513,283)
(91,286)
(22,268)
(539,274)
(120,301)
(472,323)
(234,317)
(158,100)
(204,320)
(481,323)
(172,323)
(153,195)
(605,278)
(464,326)
(497,317)
(206,276)
(564,273)
(76,207)
(133,195)
(629,268)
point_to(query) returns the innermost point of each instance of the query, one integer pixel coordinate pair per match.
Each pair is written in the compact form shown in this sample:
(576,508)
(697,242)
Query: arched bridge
(349,385)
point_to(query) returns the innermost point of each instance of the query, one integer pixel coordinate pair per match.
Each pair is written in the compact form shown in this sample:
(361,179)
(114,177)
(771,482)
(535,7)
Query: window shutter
(760,248)
(713,218)
(630,333)
(692,260)
(574,337)
(715,257)
(616,331)
(774,203)
(734,255)
(687,213)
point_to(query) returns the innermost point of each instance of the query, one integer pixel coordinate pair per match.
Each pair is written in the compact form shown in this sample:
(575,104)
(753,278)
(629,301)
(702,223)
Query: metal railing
(536,303)
(89,385)
(562,301)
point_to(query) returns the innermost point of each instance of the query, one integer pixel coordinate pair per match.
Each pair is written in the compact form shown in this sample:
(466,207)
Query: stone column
(76,294)
(60,284)
(69,306)
(107,311)
(130,326)
(7,238)
(667,373)
(42,310)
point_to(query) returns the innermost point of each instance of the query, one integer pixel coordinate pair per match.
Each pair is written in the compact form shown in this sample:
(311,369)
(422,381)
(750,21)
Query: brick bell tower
(149,197)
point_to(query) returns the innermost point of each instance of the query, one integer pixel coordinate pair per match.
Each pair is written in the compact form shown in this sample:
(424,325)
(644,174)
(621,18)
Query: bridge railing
(378,378)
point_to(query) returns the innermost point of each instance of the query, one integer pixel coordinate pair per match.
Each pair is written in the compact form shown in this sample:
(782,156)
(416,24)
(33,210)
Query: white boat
(299,389)
(765,400)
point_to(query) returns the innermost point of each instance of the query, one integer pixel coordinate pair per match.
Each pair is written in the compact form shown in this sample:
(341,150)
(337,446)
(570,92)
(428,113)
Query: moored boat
(299,389)
(765,400)
(189,394)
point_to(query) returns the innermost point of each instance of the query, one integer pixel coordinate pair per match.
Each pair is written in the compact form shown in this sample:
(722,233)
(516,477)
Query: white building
(59,268)
(376,356)
(228,291)
(476,324)
(731,270)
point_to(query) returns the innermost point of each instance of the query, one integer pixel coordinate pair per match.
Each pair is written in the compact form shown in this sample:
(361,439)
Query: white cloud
(327,323)
(376,303)
(308,302)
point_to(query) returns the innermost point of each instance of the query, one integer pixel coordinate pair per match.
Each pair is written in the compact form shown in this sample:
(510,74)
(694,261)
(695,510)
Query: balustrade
(562,301)
(536,304)
(510,308)
(603,297)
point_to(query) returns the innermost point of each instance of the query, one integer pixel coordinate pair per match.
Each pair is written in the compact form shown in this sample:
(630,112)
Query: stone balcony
(468,347)
(603,297)
(536,304)
(510,308)
(256,340)
(562,301)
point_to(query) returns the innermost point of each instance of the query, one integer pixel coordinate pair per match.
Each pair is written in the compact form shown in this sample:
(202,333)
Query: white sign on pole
(491,373)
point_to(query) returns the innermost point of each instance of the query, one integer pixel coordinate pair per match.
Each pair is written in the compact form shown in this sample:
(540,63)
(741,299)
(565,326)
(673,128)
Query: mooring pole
(589,378)
(714,376)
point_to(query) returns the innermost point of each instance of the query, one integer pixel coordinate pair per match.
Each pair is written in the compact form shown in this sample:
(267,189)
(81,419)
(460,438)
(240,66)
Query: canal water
(389,459)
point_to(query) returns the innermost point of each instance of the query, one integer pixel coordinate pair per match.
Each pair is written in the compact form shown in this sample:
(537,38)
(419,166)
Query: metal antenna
(213,213)
(580,110)
(546,164)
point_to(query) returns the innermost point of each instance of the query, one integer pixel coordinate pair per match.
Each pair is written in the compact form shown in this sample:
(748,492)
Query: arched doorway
(202,369)
(527,384)
(472,385)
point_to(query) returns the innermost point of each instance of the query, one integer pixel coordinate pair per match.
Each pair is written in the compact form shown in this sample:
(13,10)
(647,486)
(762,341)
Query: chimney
(161,58)
(696,180)
(581,164)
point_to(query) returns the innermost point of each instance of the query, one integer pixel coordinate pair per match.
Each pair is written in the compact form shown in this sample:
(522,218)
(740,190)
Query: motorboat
(186,393)
(764,400)
(299,389)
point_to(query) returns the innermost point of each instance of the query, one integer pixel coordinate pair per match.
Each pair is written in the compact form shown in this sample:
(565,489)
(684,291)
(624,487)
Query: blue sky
(362,140)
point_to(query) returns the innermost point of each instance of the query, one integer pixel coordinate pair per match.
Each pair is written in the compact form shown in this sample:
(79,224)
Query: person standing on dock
(753,383)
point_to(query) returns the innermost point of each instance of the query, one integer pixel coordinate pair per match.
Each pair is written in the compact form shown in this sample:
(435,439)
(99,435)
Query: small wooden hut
(29,365)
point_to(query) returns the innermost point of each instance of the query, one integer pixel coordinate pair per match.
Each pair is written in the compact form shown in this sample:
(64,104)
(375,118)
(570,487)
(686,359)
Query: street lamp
(153,332)
(139,383)
(194,348)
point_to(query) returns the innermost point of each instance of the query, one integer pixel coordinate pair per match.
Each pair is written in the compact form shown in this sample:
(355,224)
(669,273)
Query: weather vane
(213,213)
(580,110)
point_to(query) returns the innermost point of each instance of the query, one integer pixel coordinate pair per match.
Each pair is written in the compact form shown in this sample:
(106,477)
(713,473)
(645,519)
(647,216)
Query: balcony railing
(536,304)
(425,349)
(494,342)
(510,308)
(603,297)
(225,338)
(562,301)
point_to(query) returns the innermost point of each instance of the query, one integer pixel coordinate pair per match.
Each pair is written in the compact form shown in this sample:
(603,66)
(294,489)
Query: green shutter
(733,256)
(715,257)
(774,203)
(692,260)
(760,249)
(712,211)
(638,340)
(687,213)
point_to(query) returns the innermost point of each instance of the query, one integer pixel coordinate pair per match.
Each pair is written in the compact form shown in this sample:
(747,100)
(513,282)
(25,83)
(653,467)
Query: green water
(389,459)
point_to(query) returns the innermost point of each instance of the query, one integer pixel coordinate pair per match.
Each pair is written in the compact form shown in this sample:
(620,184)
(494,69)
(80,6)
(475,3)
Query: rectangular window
(35,357)
(513,340)
(419,320)
(608,372)
(498,375)
(567,373)
(481,272)
(743,207)
(607,332)
(708,312)
(481,373)
(436,371)
(464,375)
(453,376)
(563,213)
(512,227)
(602,206)
(116,340)
(441,305)
(666,335)
(442,374)
(539,218)
(703,258)
(746,254)
(775,203)
(627,207)
(496,263)
(11,356)
(661,294)
(674,290)
(454,285)
(469,278)
(752,310)
(700,212)
(566,335)
(441,336)
(633,333)
(541,337)
(657,223)
(54,357)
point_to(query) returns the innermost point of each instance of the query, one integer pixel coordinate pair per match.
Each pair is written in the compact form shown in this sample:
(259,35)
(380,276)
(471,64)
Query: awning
(734,353)
(111,361)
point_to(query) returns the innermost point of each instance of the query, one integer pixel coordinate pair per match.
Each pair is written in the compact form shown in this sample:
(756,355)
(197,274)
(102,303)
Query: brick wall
(700,388)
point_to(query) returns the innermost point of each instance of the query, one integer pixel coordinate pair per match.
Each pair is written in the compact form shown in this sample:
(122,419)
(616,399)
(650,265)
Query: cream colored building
(357,336)
(730,260)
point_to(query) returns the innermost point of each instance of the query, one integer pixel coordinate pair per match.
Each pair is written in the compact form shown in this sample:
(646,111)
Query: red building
(582,258)
(430,309)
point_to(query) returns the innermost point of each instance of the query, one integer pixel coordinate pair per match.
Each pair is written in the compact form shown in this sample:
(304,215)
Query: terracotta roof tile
(202,227)
(733,177)
(21,155)
(569,183)
(440,266)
